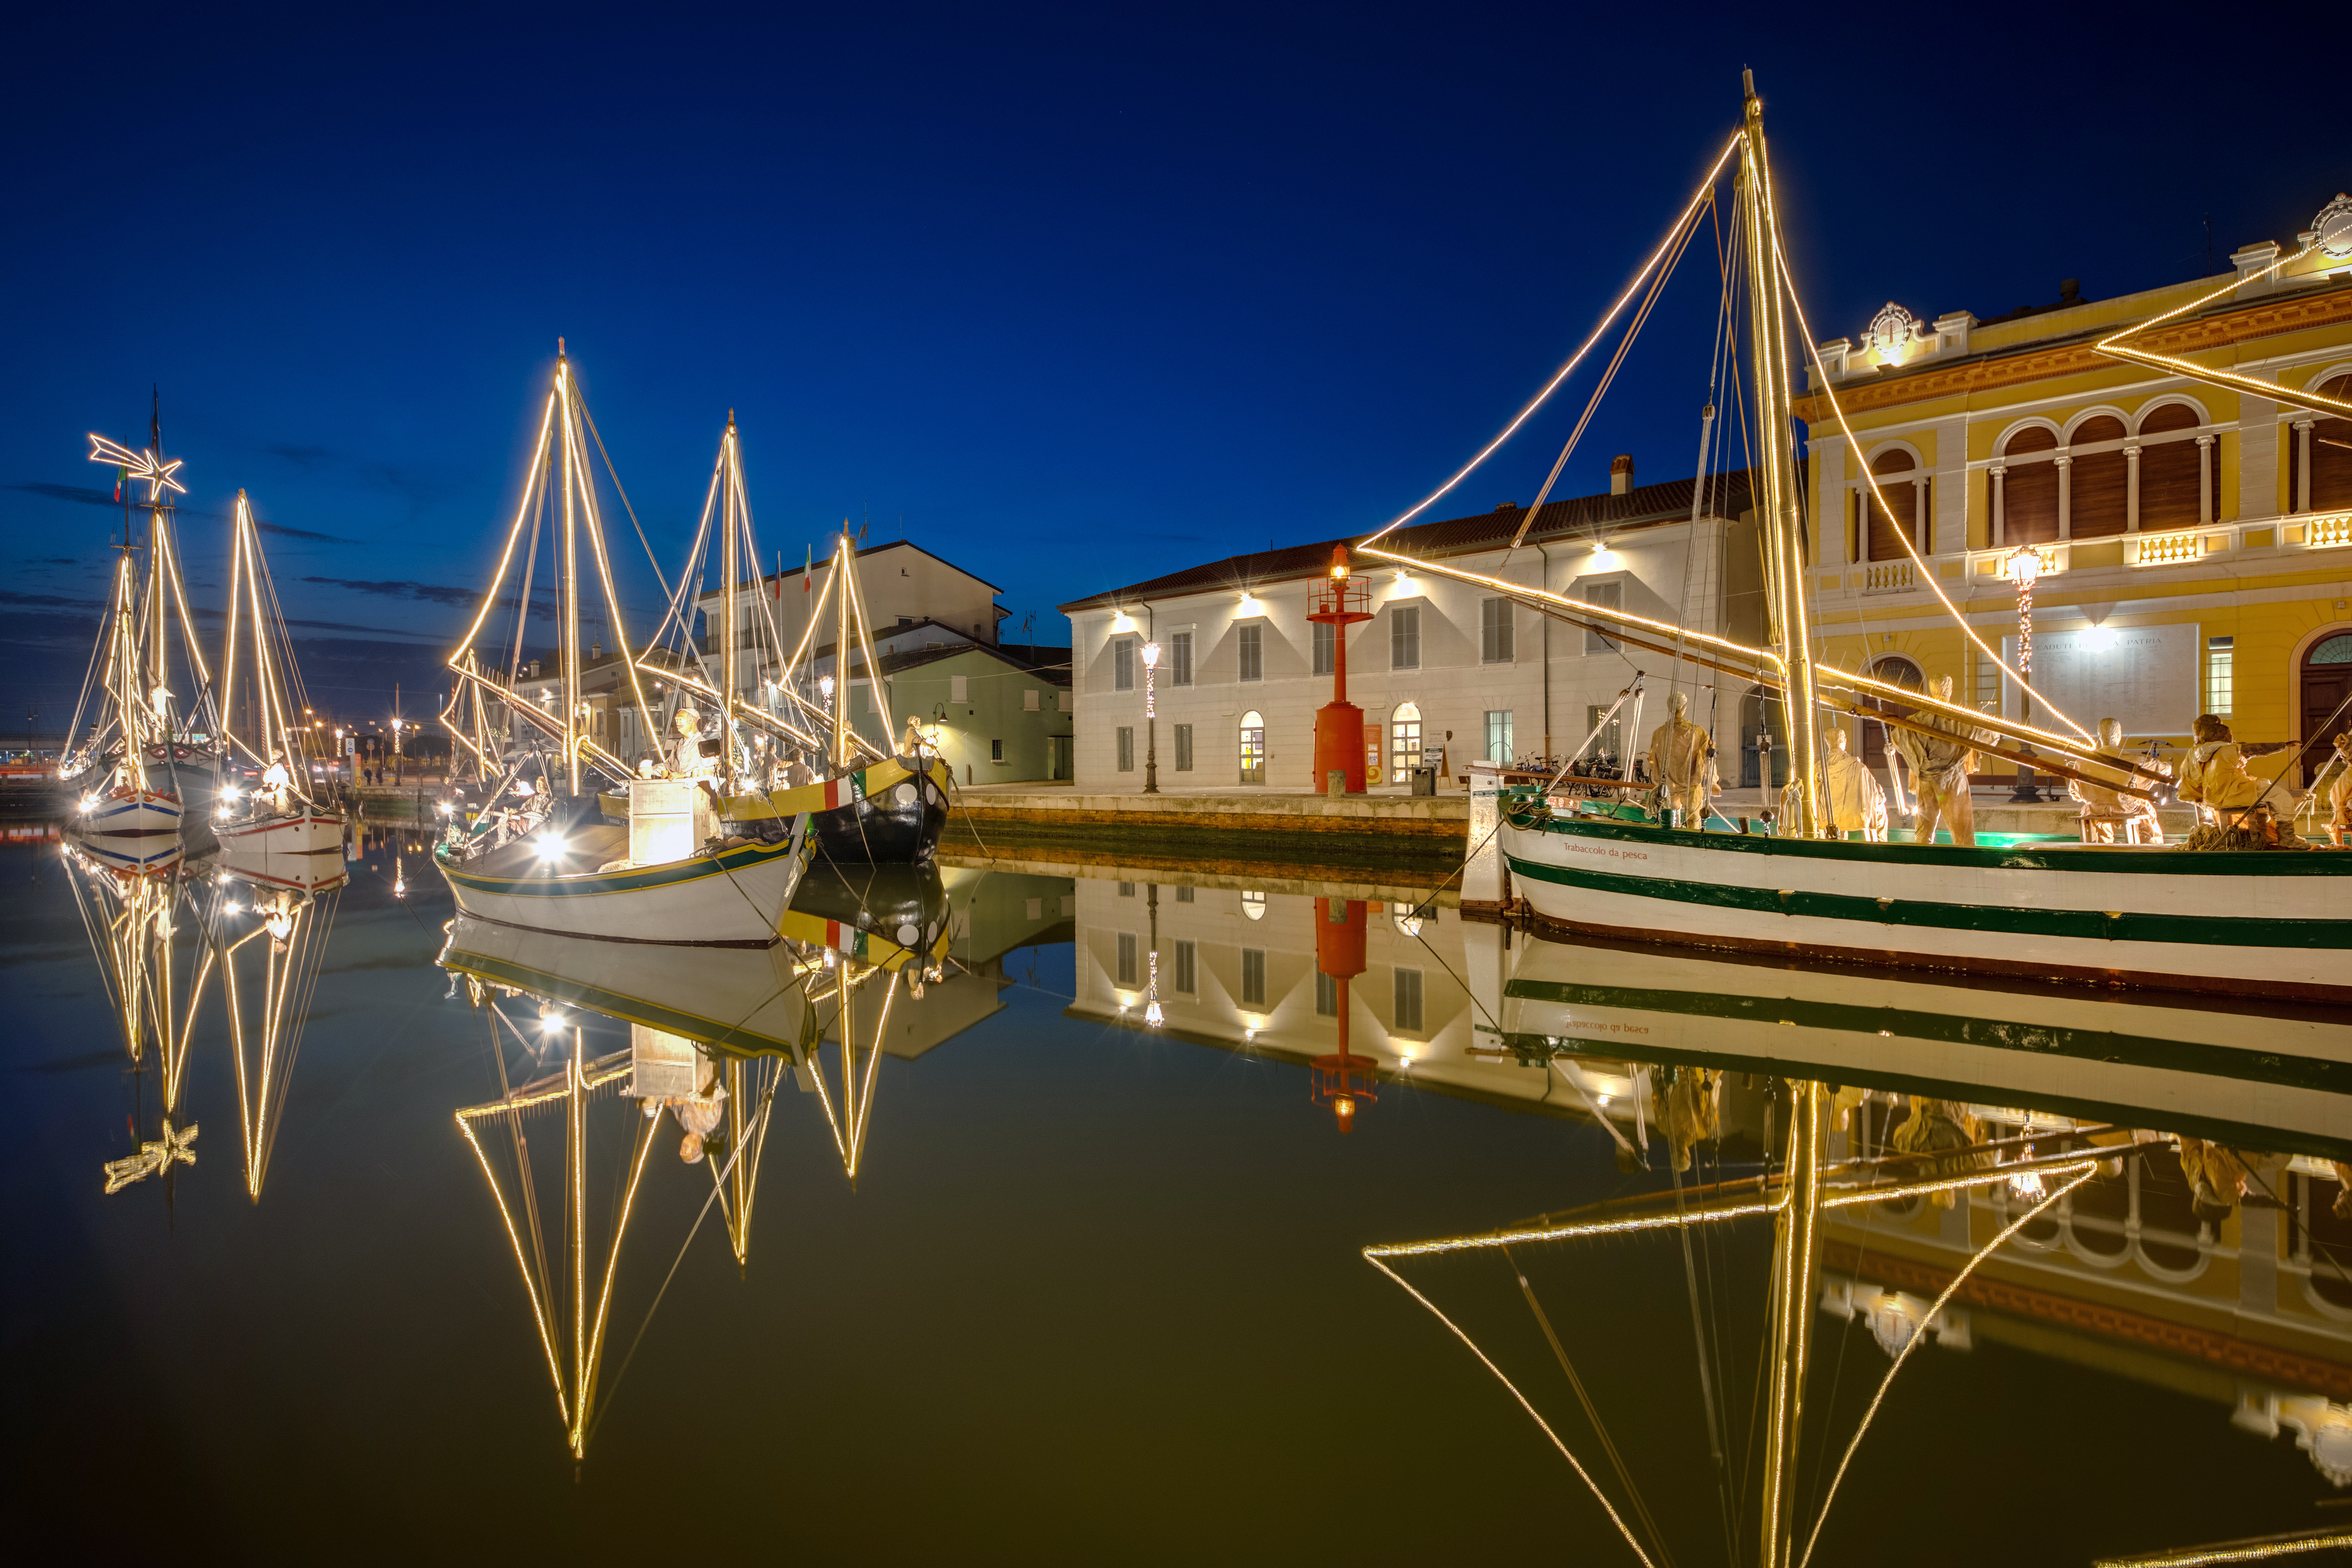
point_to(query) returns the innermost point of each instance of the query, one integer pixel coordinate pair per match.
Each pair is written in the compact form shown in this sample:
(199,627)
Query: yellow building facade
(2194,540)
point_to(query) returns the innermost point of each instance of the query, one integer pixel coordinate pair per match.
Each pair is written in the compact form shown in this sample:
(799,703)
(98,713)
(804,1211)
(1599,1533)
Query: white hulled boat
(539,852)
(276,832)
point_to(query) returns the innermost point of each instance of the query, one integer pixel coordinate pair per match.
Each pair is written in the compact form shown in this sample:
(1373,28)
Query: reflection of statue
(1941,765)
(1942,1127)
(1689,1110)
(1682,762)
(1852,801)
(2101,802)
(2219,1177)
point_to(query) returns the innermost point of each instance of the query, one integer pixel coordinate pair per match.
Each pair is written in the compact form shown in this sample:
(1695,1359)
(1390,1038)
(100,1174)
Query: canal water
(1008,1269)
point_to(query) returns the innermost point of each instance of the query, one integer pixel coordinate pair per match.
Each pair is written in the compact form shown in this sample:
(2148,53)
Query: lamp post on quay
(2024,565)
(1151,720)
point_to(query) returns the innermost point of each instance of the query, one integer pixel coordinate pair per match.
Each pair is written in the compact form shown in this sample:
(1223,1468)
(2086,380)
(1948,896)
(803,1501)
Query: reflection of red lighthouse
(1340,602)
(1340,1079)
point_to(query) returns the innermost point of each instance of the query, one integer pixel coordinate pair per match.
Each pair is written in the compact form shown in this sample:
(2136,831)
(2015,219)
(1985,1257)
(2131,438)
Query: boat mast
(1777,504)
(726,574)
(568,579)
(842,566)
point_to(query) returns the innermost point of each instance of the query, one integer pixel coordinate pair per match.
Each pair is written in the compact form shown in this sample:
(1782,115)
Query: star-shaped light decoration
(156,470)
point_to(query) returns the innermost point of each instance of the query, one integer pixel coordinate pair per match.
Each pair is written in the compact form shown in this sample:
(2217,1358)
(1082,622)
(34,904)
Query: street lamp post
(395,752)
(1151,720)
(2024,565)
(1153,1015)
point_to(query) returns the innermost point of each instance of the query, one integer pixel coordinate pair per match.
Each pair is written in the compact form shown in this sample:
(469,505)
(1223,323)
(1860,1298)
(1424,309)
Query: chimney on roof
(1621,473)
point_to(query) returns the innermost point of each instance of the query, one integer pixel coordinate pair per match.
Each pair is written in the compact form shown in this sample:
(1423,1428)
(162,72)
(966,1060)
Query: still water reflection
(1053,1209)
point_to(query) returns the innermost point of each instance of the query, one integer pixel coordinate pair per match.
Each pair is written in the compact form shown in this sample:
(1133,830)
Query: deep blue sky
(1075,297)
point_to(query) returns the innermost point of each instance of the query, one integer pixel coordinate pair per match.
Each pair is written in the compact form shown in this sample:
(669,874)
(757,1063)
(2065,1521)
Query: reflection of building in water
(1237,967)
(2146,1271)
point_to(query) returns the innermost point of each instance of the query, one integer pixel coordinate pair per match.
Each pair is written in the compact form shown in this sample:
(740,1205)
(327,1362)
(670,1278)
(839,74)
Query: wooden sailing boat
(539,853)
(135,767)
(868,803)
(277,831)
(2246,922)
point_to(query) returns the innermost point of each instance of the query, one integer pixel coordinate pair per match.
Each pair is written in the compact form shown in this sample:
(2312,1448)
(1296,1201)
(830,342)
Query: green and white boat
(2271,923)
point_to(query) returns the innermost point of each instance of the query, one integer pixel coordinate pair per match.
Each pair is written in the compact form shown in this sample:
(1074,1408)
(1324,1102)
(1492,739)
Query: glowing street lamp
(1151,720)
(2023,566)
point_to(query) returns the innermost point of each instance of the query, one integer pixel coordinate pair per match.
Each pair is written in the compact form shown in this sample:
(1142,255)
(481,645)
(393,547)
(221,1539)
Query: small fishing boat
(541,853)
(786,744)
(277,832)
(132,772)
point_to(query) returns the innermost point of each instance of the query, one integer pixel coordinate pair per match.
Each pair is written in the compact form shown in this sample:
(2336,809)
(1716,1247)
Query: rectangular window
(958,688)
(1606,743)
(1126,890)
(1607,596)
(1029,701)
(1408,1001)
(1179,660)
(1404,638)
(1254,977)
(1184,894)
(1499,736)
(1187,969)
(1126,748)
(1127,956)
(1326,997)
(996,751)
(1496,631)
(1122,665)
(1326,646)
(1184,748)
(1250,643)
(2219,655)
(1036,910)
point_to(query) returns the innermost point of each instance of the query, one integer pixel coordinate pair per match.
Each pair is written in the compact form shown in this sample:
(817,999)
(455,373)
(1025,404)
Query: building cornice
(2269,318)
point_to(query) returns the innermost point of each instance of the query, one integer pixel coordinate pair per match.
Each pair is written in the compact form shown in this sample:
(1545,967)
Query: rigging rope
(1705,188)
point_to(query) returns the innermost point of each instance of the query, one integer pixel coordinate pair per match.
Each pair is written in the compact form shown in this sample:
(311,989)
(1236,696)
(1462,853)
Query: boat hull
(125,812)
(727,898)
(145,855)
(889,814)
(2251,1076)
(2270,923)
(299,850)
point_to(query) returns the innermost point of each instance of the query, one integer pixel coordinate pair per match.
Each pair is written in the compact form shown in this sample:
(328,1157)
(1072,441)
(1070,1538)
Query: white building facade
(1445,672)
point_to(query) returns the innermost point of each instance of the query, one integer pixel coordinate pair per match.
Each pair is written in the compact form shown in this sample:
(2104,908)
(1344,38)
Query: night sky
(1071,298)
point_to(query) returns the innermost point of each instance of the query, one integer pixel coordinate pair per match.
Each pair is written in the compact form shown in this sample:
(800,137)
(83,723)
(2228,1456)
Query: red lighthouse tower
(1339,604)
(1342,1080)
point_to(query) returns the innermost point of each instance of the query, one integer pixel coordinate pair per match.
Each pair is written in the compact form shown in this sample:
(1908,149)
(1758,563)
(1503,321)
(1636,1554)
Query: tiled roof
(1643,506)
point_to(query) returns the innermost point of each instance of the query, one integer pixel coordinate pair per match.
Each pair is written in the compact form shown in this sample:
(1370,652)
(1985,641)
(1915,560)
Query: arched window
(2098,483)
(1252,748)
(2174,475)
(1404,743)
(1895,670)
(2327,450)
(2027,492)
(2326,680)
(1880,539)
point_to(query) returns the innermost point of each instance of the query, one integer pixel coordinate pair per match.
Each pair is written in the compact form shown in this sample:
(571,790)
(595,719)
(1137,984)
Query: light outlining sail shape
(837,978)
(558,490)
(281,950)
(571,1293)
(132,918)
(1795,1201)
